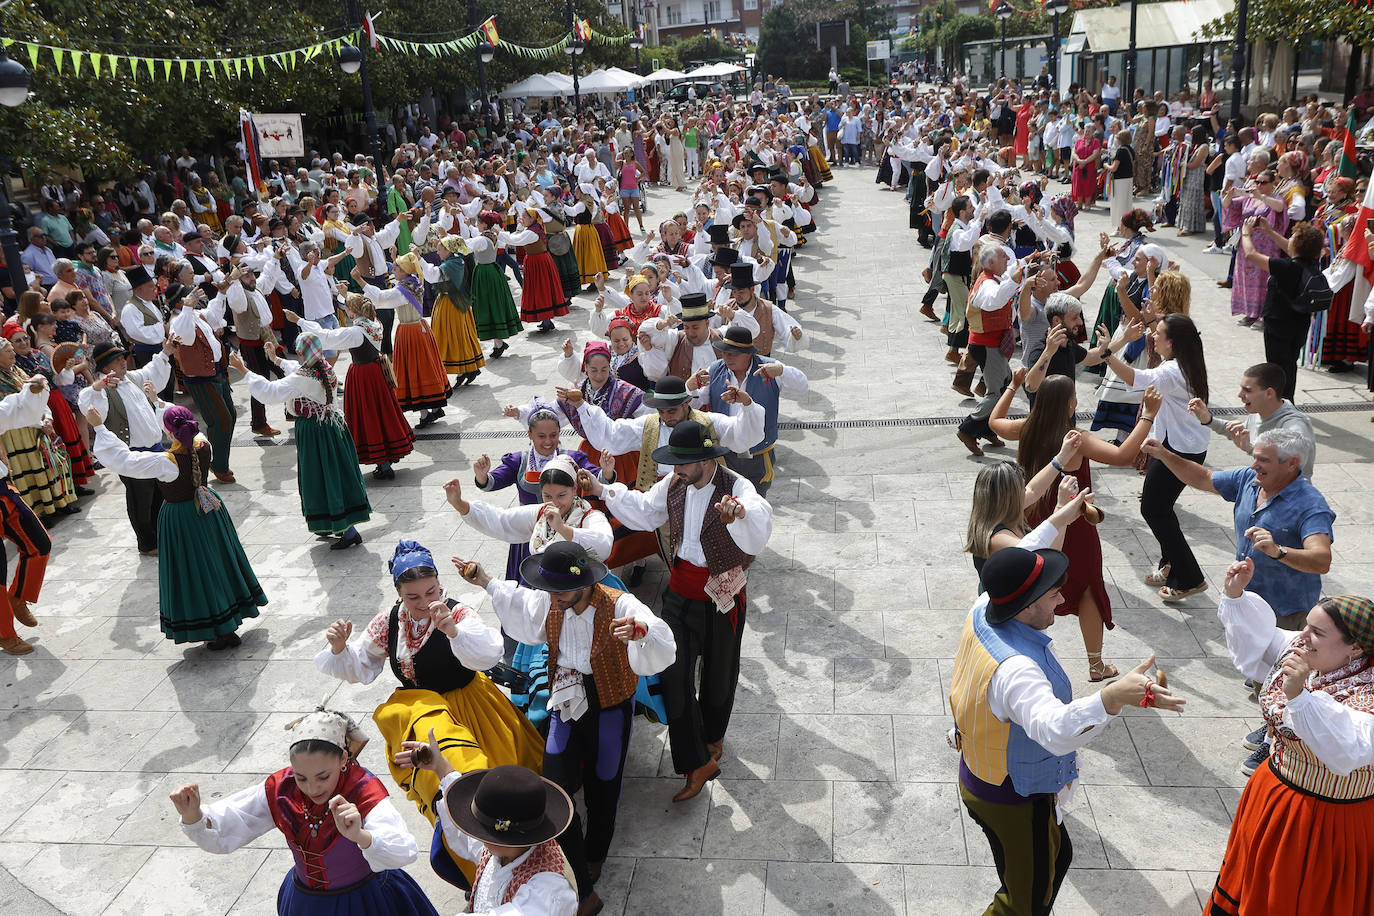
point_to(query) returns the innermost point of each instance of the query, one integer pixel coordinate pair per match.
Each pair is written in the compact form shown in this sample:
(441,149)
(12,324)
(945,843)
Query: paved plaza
(837,792)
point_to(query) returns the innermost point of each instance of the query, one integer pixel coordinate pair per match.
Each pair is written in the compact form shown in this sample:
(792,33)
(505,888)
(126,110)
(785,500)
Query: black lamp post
(1004,12)
(635,41)
(14,89)
(574,49)
(1131,58)
(485,52)
(1055,7)
(1238,58)
(353,59)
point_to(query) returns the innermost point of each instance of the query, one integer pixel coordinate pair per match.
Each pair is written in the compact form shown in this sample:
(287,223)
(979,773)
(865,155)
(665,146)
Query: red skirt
(620,232)
(541,296)
(1344,339)
(64,423)
(1290,852)
(630,545)
(421,382)
(380,431)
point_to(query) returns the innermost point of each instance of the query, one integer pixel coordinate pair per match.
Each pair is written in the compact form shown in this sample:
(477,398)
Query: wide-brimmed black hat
(688,442)
(176,292)
(509,806)
(736,340)
(742,276)
(360,219)
(1015,578)
(739,219)
(758,167)
(719,233)
(724,257)
(761,189)
(779,176)
(137,276)
(694,307)
(564,567)
(669,391)
(104,352)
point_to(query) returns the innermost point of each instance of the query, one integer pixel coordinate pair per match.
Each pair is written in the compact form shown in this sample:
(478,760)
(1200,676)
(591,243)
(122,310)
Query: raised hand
(1058,336)
(730,509)
(236,361)
(627,629)
(1295,671)
(472,572)
(510,410)
(1136,686)
(453,494)
(1198,408)
(1238,575)
(587,483)
(1151,401)
(568,345)
(187,802)
(349,821)
(769,371)
(481,467)
(338,634)
(572,395)
(735,395)
(421,755)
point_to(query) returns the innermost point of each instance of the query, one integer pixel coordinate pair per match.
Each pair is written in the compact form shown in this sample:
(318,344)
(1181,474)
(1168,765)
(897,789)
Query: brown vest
(547,857)
(763,314)
(247,324)
(196,360)
(722,553)
(615,680)
(680,363)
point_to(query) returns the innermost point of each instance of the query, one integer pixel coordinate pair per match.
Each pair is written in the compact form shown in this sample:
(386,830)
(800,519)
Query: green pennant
(33,54)
(166,70)
(148,62)
(76,62)
(249,62)
(197,65)
(183,63)
(57,54)
(262,64)
(95,64)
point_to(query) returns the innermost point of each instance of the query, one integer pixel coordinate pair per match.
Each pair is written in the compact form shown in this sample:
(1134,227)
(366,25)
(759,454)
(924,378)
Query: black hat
(742,276)
(719,233)
(190,237)
(688,442)
(175,293)
(1015,578)
(694,307)
(724,257)
(757,167)
(104,352)
(669,391)
(737,339)
(761,189)
(360,219)
(739,218)
(138,275)
(779,176)
(564,566)
(509,805)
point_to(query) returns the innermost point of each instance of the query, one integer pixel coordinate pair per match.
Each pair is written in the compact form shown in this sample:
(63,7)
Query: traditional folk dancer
(595,662)
(774,324)
(381,433)
(542,298)
(1305,816)
(71,361)
(253,321)
(591,257)
(19,524)
(636,305)
(200,355)
(442,691)
(368,246)
(687,351)
(717,523)
(332,493)
(624,357)
(206,586)
(348,840)
(1017,725)
(39,467)
(555,223)
(509,820)
(421,382)
(493,307)
(455,331)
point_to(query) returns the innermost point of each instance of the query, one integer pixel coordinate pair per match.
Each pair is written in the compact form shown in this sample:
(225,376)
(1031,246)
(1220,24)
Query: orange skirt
(1292,853)
(630,545)
(421,381)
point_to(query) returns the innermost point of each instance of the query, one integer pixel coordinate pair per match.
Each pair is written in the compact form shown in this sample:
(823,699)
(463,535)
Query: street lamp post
(1131,58)
(1004,12)
(353,59)
(1238,58)
(14,89)
(574,48)
(485,52)
(635,41)
(1055,7)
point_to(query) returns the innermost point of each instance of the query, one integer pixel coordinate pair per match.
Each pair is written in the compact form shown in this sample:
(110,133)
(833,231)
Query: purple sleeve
(504,474)
(581,460)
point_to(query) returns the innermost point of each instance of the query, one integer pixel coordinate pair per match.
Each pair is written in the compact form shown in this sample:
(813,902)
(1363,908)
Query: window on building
(672,15)
(751,4)
(713,10)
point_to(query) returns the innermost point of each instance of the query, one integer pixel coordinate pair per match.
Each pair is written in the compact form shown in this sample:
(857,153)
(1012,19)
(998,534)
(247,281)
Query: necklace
(315,823)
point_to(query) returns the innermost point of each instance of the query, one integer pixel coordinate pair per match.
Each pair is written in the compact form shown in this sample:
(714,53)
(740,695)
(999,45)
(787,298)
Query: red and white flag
(1354,264)
(370,31)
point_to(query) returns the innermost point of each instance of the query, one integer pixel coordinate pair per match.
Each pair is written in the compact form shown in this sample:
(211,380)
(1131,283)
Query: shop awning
(1158,25)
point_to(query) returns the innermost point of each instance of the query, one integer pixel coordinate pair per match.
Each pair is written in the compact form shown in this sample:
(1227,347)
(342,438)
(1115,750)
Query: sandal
(1159,577)
(1098,671)
(1168,593)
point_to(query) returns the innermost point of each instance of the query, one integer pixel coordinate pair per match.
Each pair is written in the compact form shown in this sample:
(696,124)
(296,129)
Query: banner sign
(279,135)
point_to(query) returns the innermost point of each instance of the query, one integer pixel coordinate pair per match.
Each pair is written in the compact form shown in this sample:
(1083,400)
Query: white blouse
(476,646)
(1173,424)
(516,526)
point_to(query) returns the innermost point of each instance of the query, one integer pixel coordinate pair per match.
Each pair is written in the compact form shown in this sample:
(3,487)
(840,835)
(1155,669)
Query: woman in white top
(1180,377)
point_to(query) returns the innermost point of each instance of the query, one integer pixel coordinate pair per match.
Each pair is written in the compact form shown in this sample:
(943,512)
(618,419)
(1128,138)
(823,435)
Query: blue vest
(1033,770)
(764,391)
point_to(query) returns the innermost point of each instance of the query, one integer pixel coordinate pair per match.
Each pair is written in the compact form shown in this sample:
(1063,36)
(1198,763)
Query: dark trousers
(703,634)
(851,153)
(20,525)
(143,500)
(1157,500)
(589,754)
(1283,343)
(256,360)
(996,374)
(215,402)
(1030,849)
(506,259)
(757,469)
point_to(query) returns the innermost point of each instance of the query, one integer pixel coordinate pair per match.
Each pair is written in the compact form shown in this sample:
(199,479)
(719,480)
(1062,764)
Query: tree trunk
(1352,73)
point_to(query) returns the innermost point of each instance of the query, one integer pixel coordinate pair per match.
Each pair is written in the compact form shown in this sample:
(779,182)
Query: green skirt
(569,274)
(493,307)
(333,495)
(1109,314)
(206,587)
(343,270)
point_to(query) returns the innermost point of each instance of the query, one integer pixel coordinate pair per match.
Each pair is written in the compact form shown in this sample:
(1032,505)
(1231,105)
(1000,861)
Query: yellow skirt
(591,257)
(476,727)
(822,167)
(456,334)
(38,483)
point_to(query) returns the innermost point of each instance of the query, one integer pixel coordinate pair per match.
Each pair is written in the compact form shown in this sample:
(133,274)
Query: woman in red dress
(542,298)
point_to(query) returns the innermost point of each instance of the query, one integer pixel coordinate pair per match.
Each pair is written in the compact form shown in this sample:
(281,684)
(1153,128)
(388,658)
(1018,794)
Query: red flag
(370,31)
(249,133)
(489,33)
(1346,165)
(1356,248)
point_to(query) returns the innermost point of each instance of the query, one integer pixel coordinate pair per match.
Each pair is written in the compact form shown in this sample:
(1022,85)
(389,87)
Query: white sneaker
(1213,249)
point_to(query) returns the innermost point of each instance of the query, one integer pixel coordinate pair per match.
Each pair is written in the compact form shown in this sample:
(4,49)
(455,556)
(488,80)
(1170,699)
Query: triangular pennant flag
(249,62)
(33,55)
(76,62)
(291,60)
(57,54)
(166,70)
(95,64)
(198,65)
(262,64)
(149,62)
(183,63)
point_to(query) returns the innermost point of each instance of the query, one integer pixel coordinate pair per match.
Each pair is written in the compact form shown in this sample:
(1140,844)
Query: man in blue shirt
(832,132)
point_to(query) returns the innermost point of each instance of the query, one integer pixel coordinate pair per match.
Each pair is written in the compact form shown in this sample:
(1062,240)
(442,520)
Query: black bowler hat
(137,276)
(761,190)
(564,567)
(175,293)
(724,257)
(105,352)
(360,219)
(688,442)
(739,219)
(719,233)
(742,276)
(669,391)
(694,307)
(736,340)
(758,167)
(778,176)
(190,237)
(509,806)
(1015,578)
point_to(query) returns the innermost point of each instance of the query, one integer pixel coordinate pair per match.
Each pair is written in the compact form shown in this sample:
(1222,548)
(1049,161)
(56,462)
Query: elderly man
(39,257)
(1261,395)
(990,307)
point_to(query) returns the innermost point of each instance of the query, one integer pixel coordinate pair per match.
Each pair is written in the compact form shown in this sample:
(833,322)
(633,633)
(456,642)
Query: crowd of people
(185,283)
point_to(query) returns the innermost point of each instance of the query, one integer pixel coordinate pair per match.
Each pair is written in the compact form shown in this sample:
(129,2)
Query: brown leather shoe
(970,443)
(13,645)
(225,476)
(993,441)
(266,431)
(1224,284)
(717,748)
(697,779)
(952,356)
(590,905)
(928,311)
(962,389)
(22,612)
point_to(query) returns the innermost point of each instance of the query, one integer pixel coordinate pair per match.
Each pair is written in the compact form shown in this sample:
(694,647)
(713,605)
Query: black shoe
(499,350)
(347,541)
(546,325)
(637,576)
(84,491)
(469,377)
(227,641)
(429,417)
(70,509)
(384,474)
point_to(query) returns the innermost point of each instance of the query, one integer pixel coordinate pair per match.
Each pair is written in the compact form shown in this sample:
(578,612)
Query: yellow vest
(648,468)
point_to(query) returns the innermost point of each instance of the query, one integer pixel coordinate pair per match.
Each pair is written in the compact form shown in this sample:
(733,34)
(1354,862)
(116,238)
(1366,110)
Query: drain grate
(804,425)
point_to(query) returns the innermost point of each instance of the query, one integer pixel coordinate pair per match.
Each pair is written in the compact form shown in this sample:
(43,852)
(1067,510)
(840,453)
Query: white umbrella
(562,80)
(712,70)
(664,75)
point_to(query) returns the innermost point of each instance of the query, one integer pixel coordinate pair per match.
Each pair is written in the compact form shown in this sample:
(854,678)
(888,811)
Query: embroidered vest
(196,360)
(648,468)
(722,553)
(763,390)
(324,860)
(763,314)
(545,858)
(436,667)
(985,322)
(615,680)
(680,363)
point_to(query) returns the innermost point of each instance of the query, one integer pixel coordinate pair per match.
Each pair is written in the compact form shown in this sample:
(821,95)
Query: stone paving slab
(837,792)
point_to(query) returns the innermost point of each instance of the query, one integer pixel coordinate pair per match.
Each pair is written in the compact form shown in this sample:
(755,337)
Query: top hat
(137,276)
(694,307)
(742,276)
(724,257)
(564,566)
(669,391)
(1015,578)
(104,352)
(719,233)
(687,443)
(509,806)
(779,176)
(736,340)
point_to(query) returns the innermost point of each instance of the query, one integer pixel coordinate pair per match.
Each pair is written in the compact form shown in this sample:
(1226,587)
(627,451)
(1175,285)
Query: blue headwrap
(408,555)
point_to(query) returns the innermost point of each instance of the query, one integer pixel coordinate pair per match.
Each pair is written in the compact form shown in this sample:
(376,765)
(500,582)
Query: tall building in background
(669,20)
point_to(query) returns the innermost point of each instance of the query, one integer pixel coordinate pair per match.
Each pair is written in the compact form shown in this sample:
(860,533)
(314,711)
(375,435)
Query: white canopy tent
(562,80)
(603,82)
(535,86)
(664,76)
(628,79)
(713,70)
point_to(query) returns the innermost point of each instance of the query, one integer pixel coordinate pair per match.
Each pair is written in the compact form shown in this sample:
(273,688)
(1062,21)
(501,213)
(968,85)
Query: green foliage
(1299,20)
(704,48)
(666,55)
(787,37)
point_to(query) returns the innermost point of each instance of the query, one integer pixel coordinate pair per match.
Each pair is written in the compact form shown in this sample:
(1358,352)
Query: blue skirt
(386,893)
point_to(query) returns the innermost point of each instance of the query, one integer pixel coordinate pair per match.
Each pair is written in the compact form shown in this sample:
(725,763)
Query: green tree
(700,48)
